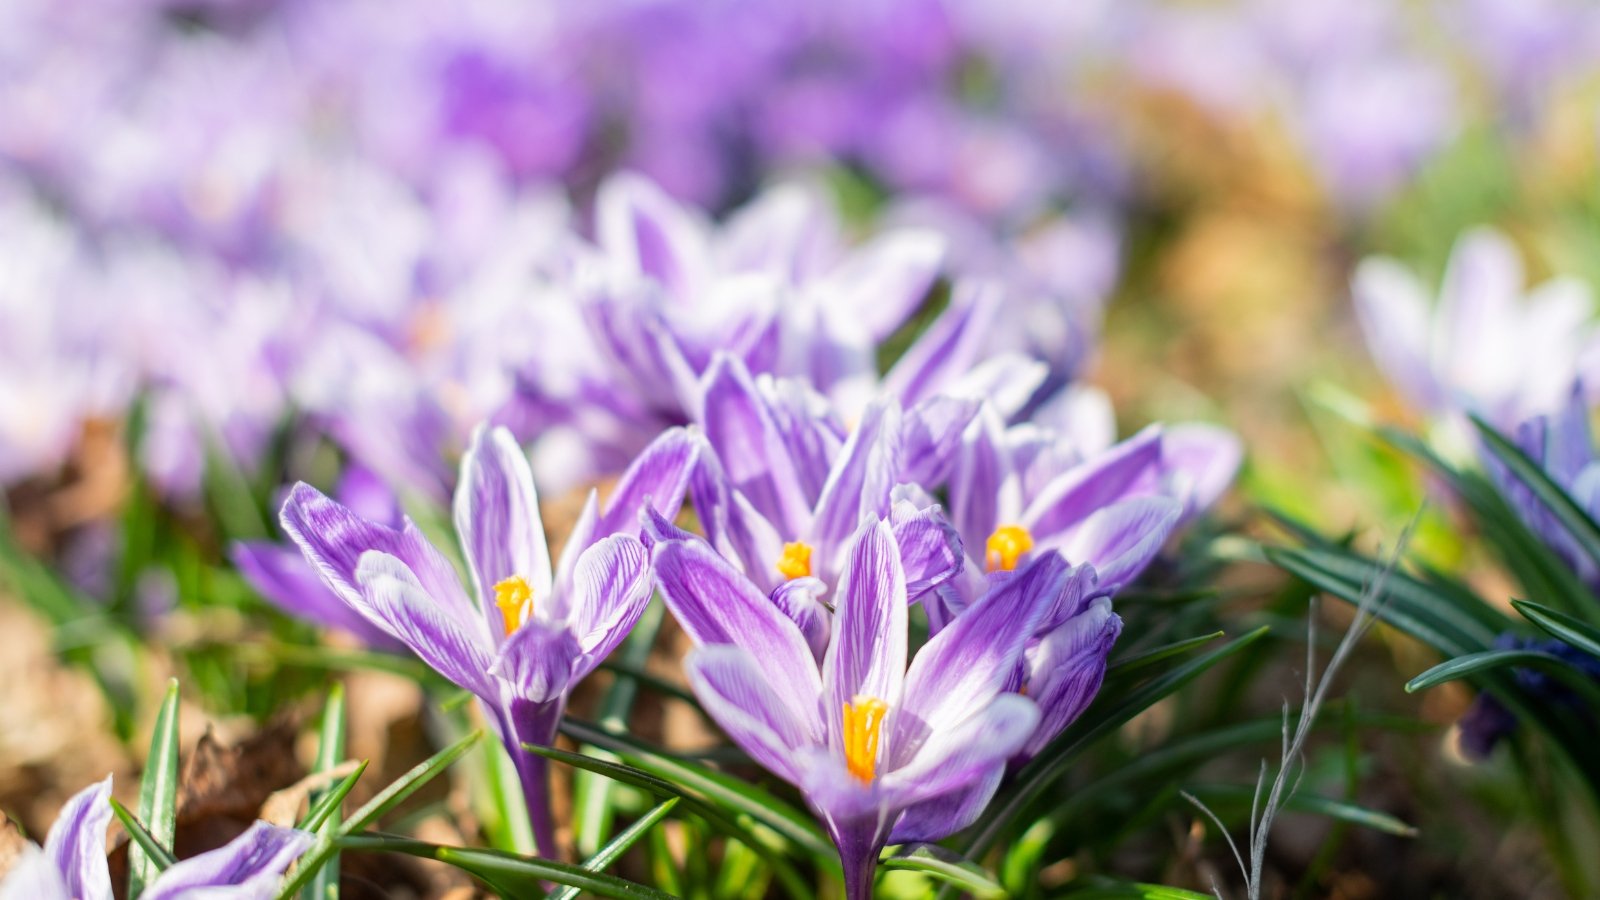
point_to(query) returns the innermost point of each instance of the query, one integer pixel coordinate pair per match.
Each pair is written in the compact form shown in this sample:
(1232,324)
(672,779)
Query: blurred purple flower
(1469,353)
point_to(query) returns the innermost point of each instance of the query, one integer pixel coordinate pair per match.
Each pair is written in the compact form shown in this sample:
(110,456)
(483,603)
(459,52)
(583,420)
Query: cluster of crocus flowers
(72,863)
(524,632)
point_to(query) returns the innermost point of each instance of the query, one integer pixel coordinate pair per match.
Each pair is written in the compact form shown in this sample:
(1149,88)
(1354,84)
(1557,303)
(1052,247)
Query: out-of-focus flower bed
(919,394)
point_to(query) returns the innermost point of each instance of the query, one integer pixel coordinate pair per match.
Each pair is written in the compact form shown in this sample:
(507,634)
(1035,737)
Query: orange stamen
(795,561)
(514,596)
(1006,546)
(862,720)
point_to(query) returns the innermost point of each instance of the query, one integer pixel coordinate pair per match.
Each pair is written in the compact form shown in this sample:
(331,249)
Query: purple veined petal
(393,598)
(950,347)
(786,229)
(946,814)
(536,663)
(801,600)
(985,491)
(655,529)
(497,517)
(931,438)
(658,476)
(333,539)
(1121,539)
(716,604)
(282,575)
(1131,468)
(251,864)
(970,661)
(956,757)
(883,283)
(836,795)
(860,484)
(1082,416)
(1008,381)
(1392,307)
(735,691)
(610,589)
(583,535)
(1556,317)
(76,844)
(749,447)
(34,876)
(1200,461)
(806,428)
(867,656)
(733,526)
(639,341)
(1066,667)
(644,230)
(1569,444)
(930,549)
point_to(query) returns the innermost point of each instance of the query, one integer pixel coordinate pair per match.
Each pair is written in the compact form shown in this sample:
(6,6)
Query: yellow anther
(514,596)
(1006,546)
(796,560)
(862,720)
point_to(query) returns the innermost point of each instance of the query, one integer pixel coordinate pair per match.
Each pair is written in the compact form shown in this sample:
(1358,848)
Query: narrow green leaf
(330,751)
(1138,662)
(1572,517)
(620,845)
(1558,624)
(742,831)
(158,793)
(593,795)
(965,875)
(328,843)
(324,807)
(159,856)
(510,874)
(1100,719)
(1474,663)
(747,799)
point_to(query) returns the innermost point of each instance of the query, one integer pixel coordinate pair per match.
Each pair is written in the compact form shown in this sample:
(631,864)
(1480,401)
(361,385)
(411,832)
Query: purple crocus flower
(883,753)
(72,863)
(282,575)
(524,632)
(1563,445)
(1470,352)
(785,488)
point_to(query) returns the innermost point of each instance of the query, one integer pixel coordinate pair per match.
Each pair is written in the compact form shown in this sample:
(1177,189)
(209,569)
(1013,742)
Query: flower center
(1006,546)
(514,596)
(795,561)
(862,719)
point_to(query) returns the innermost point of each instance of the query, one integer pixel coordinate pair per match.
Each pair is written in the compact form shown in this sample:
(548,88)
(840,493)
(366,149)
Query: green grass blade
(159,856)
(1560,625)
(330,751)
(1138,662)
(741,828)
(327,844)
(724,790)
(1475,663)
(964,875)
(158,794)
(592,796)
(327,803)
(620,844)
(511,875)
